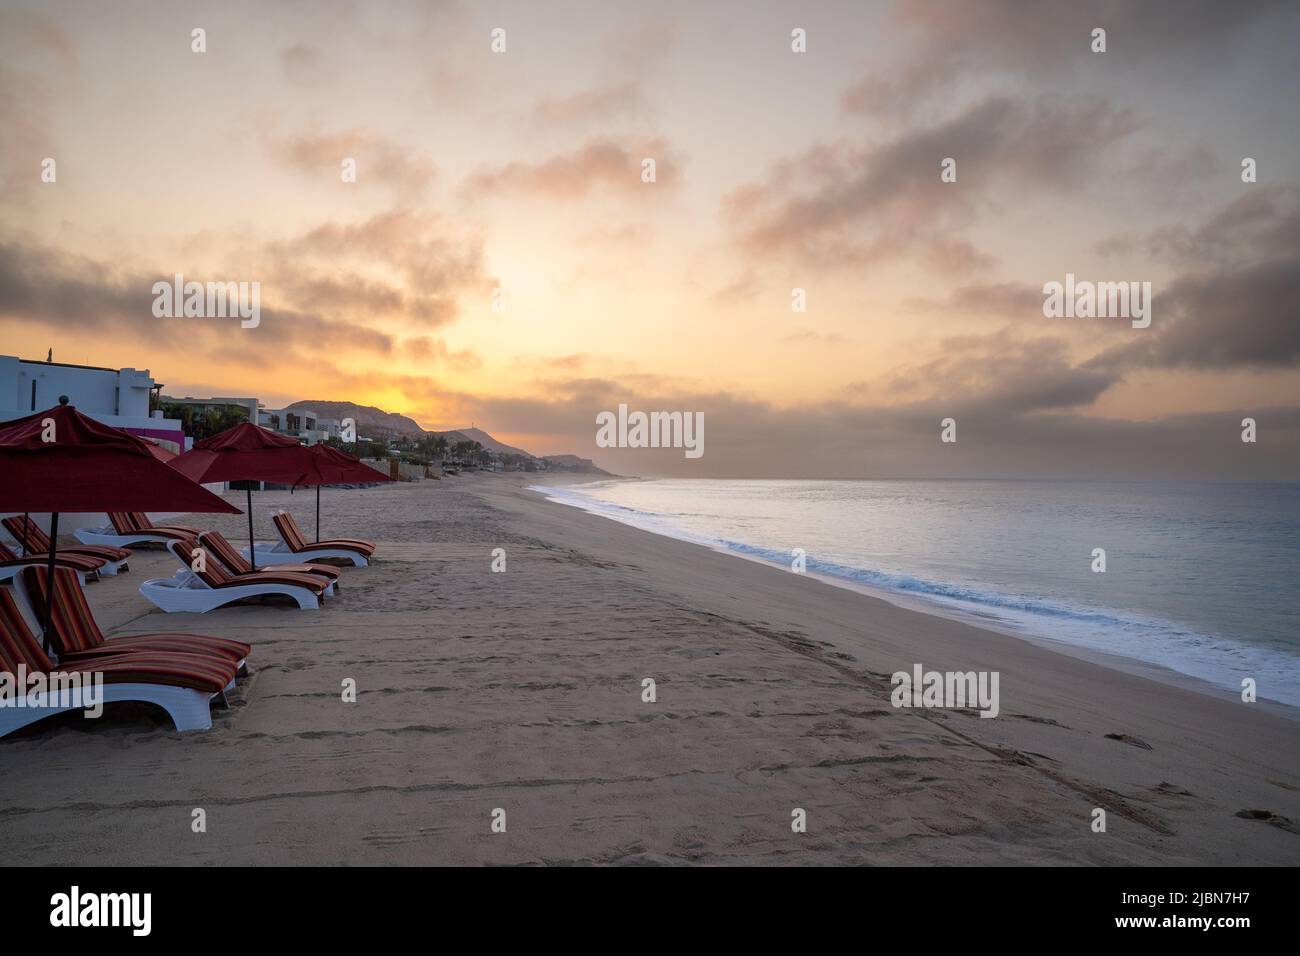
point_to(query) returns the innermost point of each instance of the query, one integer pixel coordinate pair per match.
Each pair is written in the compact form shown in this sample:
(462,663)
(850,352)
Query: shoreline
(987,621)
(523,691)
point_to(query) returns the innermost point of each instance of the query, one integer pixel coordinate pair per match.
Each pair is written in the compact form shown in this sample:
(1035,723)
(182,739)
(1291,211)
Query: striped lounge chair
(215,543)
(128,529)
(293,547)
(11,565)
(213,587)
(75,635)
(33,539)
(184,685)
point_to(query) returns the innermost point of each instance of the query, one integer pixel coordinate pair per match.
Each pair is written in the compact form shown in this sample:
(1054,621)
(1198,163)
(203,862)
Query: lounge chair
(34,540)
(140,521)
(184,685)
(214,586)
(294,547)
(125,531)
(75,635)
(215,543)
(11,565)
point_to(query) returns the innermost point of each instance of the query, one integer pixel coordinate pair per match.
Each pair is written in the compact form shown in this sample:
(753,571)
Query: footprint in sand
(1134,741)
(1271,818)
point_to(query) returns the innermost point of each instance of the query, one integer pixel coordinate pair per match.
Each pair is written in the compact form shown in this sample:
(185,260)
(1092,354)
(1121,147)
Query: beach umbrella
(158,451)
(336,467)
(60,460)
(248,453)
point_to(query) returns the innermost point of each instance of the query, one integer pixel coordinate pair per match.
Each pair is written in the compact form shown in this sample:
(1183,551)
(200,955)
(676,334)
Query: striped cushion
(17,645)
(142,523)
(208,674)
(215,576)
(37,540)
(75,634)
(26,532)
(63,559)
(215,542)
(146,665)
(122,523)
(292,535)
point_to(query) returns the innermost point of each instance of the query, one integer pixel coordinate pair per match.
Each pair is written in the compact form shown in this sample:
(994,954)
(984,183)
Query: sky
(500,259)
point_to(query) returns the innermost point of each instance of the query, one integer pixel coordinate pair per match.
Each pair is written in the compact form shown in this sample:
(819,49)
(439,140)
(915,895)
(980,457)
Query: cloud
(436,262)
(749,438)
(302,63)
(1236,301)
(851,203)
(425,349)
(599,164)
(602,103)
(377,157)
(1048,38)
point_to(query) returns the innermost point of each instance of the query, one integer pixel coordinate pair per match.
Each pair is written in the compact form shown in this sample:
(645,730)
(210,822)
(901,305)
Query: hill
(376,423)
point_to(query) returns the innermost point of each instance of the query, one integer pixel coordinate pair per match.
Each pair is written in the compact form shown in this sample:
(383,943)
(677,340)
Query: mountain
(573,463)
(491,444)
(376,423)
(371,422)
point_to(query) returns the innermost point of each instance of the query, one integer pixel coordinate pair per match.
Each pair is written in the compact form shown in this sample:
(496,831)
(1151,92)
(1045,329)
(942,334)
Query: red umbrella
(249,452)
(158,451)
(336,467)
(61,460)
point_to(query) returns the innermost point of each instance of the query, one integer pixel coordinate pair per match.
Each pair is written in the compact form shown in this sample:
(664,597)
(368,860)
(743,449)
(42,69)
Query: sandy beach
(523,691)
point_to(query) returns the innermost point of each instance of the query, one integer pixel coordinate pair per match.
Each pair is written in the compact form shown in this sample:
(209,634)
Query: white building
(301,423)
(117,397)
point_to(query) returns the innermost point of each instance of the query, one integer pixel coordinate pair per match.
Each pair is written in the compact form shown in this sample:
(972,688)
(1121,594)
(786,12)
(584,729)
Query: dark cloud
(41,286)
(1245,317)
(1046,39)
(853,203)
(748,438)
(1236,300)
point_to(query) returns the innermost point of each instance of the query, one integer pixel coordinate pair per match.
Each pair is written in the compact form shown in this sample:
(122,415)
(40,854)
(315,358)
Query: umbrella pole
(49,580)
(252,548)
(318,513)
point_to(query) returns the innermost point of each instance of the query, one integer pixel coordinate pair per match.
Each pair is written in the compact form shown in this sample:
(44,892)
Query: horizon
(501,259)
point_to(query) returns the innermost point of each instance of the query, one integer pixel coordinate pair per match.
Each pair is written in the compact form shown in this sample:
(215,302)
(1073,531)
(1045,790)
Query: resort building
(202,406)
(119,397)
(301,423)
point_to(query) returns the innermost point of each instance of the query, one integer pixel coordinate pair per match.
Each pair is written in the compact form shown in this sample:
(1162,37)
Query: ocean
(1201,578)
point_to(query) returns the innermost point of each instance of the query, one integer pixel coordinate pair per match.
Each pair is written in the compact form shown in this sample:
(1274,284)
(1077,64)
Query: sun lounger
(33,539)
(75,635)
(214,586)
(215,543)
(140,521)
(184,685)
(293,547)
(125,532)
(11,565)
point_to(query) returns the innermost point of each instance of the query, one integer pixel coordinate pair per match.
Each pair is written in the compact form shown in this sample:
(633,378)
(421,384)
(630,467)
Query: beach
(522,692)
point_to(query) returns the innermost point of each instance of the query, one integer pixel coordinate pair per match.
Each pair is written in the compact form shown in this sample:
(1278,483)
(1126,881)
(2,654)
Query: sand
(522,691)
